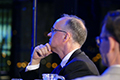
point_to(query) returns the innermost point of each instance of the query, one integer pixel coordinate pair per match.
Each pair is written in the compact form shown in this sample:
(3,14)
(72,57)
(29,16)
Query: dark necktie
(57,69)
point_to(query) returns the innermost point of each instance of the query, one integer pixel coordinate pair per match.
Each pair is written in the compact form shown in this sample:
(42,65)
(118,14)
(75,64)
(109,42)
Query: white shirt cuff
(31,67)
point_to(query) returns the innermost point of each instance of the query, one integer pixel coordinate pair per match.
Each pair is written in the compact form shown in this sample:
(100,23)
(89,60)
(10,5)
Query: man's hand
(40,52)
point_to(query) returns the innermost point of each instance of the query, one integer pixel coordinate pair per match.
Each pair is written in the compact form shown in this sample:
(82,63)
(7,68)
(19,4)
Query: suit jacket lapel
(57,70)
(78,51)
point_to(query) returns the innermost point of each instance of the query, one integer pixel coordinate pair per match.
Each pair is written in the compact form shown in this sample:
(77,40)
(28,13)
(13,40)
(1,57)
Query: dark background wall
(91,11)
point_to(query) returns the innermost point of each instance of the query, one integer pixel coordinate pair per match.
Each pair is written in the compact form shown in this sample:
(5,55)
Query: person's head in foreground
(109,39)
(109,46)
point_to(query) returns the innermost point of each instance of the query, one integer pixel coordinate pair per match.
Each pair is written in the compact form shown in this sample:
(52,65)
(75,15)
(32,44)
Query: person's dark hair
(112,21)
(77,27)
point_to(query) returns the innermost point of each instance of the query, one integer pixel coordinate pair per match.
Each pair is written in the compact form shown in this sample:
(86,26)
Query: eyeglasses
(53,30)
(100,39)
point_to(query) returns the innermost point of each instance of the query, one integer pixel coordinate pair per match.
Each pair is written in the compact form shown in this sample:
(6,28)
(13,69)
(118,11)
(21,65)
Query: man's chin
(49,43)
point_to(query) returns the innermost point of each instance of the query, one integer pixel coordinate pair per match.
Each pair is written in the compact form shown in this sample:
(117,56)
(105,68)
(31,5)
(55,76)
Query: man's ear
(112,44)
(67,37)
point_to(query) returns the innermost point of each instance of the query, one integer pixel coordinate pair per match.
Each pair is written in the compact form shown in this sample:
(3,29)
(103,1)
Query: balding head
(76,27)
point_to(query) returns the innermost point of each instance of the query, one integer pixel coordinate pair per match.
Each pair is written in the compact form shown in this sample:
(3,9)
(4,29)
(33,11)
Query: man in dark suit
(67,36)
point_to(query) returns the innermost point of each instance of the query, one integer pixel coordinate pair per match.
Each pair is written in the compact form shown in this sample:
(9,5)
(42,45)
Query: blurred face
(57,35)
(104,46)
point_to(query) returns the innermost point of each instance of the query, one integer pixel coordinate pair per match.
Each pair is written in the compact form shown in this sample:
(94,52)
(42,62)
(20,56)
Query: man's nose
(49,34)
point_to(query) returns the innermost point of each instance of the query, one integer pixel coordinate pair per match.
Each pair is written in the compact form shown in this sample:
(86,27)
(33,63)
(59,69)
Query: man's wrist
(34,62)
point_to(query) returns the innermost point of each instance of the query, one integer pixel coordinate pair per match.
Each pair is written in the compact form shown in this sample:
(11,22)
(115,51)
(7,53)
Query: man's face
(56,37)
(104,46)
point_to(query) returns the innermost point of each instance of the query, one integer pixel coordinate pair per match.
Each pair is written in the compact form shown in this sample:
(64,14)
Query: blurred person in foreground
(67,36)
(109,45)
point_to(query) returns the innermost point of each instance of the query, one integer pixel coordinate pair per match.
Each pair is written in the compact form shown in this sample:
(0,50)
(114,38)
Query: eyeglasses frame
(99,39)
(53,30)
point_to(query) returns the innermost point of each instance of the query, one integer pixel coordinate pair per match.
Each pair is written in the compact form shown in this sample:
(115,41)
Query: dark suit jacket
(78,65)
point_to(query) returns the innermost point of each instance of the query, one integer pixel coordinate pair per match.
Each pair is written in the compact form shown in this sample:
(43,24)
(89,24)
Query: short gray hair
(77,27)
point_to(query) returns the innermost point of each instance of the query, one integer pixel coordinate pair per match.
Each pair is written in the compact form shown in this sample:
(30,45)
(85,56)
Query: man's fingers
(42,51)
(48,47)
(38,51)
(38,54)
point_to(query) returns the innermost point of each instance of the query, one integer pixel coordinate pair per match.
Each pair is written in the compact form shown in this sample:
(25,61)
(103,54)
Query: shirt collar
(66,58)
(109,68)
